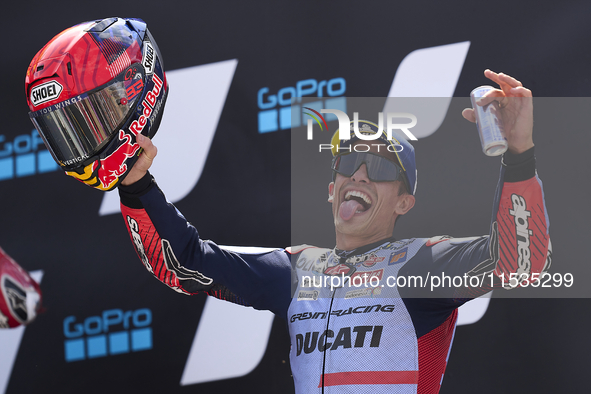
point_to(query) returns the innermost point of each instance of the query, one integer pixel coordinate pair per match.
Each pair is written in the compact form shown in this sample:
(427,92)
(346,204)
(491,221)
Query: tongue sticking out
(348,209)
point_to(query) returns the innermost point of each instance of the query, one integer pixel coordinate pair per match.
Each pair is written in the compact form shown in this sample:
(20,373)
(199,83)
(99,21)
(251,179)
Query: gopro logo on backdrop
(23,156)
(111,333)
(287,115)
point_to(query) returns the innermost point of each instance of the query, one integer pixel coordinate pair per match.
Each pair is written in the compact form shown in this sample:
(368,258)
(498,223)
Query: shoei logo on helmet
(149,58)
(45,92)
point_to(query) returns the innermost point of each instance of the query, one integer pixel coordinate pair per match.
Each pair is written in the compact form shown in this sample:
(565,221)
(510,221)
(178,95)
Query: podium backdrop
(225,161)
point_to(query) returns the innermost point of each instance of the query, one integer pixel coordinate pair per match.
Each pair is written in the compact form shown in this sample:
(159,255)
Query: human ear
(405,203)
(331,192)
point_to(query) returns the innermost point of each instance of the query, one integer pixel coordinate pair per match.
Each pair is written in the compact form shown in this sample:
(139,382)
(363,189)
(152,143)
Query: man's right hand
(143,163)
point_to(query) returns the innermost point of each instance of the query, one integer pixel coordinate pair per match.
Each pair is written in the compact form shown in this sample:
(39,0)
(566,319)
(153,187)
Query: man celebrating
(359,333)
(354,326)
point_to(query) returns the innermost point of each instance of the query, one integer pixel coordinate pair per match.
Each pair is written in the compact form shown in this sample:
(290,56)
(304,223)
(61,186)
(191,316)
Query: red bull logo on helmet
(113,166)
(149,102)
(103,174)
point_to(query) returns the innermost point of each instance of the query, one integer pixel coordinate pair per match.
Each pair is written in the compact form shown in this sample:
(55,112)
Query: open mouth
(354,202)
(361,198)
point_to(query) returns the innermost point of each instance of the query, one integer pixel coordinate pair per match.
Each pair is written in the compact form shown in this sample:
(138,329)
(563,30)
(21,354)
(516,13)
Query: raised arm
(517,248)
(171,249)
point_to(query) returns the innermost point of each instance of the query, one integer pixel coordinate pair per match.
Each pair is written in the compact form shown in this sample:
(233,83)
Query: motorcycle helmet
(20,295)
(91,90)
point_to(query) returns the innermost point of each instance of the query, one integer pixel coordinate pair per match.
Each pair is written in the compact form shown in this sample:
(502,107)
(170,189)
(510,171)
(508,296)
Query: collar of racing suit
(344,254)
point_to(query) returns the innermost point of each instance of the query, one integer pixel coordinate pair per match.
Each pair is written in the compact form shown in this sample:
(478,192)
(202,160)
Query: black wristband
(130,194)
(519,167)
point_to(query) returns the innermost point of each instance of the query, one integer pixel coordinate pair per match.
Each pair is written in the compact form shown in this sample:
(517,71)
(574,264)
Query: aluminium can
(488,122)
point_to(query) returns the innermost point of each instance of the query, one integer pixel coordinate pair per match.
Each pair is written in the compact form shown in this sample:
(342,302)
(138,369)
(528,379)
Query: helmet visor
(78,128)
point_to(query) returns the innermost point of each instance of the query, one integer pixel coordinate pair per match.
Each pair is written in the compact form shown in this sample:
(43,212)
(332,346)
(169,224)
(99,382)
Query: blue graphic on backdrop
(276,109)
(113,332)
(23,156)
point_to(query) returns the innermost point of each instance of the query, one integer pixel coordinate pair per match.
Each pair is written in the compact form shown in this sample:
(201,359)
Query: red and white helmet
(91,90)
(20,295)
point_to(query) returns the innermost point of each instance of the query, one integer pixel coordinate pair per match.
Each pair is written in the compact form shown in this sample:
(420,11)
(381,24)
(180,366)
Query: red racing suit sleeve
(170,248)
(516,252)
(517,249)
